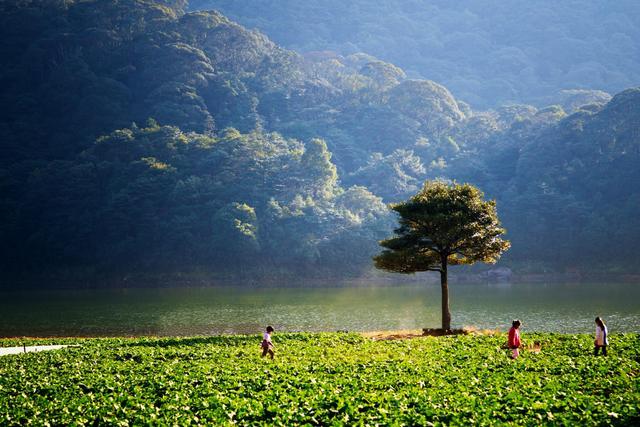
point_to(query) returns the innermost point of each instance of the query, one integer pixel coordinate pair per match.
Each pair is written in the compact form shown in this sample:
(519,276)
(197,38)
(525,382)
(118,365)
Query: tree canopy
(443,224)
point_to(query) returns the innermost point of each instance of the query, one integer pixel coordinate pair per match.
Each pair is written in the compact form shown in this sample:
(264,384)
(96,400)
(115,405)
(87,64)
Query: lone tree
(443,225)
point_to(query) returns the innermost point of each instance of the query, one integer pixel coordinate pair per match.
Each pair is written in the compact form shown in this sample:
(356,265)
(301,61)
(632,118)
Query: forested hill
(138,139)
(487,52)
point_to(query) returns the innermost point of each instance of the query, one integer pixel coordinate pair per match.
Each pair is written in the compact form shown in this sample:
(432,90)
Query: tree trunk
(444,285)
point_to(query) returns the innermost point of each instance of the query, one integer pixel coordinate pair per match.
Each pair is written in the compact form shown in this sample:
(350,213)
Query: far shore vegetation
(161,137)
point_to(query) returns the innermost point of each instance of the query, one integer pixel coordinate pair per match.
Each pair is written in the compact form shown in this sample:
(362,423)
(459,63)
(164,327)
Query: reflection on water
(195,311)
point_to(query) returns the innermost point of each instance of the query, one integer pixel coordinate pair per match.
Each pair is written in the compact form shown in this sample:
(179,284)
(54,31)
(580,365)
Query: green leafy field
(323,379)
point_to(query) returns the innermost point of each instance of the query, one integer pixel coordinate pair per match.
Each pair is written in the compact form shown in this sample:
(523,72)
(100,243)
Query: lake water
(198,311)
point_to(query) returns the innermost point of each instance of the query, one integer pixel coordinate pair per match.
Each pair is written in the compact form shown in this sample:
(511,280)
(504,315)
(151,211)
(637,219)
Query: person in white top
(602,339)
(267,345)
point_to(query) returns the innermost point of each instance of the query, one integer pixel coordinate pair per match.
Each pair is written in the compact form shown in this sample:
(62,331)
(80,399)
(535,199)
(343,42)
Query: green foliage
(157,198)
(391,175)
(488,53)
(559,202)
(323,379)
(83,187)
(427,102)
(443,224)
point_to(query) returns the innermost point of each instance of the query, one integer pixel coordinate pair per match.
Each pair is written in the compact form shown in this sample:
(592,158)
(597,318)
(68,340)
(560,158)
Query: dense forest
(487,52)
(138,138)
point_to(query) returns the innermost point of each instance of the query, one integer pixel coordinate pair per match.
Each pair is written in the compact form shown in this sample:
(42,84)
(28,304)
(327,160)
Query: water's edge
(551,307)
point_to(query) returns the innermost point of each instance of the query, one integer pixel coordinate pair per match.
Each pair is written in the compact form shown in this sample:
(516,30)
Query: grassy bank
(322,379)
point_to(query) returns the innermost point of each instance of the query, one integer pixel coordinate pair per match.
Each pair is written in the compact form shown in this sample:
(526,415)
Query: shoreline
(28,282)
(378,335)
(305,283)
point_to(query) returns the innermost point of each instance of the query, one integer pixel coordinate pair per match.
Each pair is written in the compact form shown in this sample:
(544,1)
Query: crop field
(322,379)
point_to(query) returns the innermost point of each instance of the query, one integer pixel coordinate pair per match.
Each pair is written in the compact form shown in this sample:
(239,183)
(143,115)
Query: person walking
(601,341)
(267,344)
(514,339)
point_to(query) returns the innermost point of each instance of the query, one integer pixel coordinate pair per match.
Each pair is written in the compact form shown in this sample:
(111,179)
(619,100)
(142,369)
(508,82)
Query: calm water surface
(195,311)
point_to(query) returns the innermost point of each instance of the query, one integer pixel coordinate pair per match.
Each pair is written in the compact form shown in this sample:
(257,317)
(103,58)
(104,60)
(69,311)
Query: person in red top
(514,339)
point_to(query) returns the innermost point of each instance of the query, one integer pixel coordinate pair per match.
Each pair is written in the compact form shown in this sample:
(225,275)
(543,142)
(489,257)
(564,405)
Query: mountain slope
(139,138)
(486,52)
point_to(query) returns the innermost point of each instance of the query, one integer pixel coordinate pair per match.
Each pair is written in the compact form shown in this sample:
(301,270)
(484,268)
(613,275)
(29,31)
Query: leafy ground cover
(322,379)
